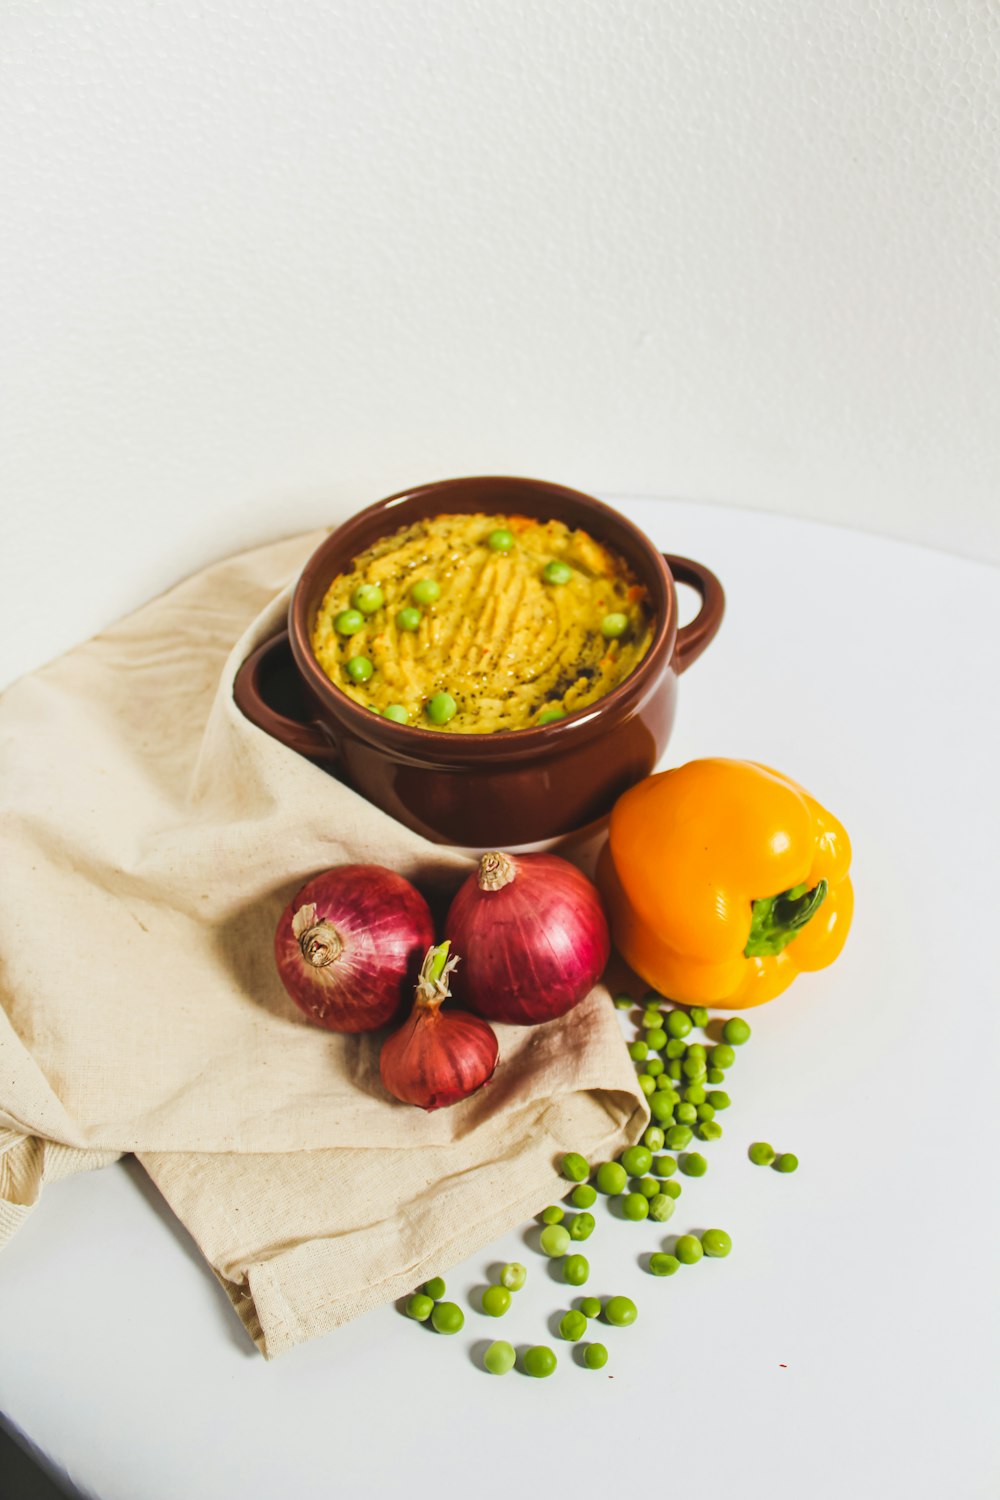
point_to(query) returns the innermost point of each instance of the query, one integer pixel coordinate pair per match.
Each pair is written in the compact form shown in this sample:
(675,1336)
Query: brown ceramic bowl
(510,788)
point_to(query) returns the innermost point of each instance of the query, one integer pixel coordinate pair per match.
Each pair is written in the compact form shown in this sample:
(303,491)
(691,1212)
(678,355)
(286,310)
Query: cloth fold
(150,838)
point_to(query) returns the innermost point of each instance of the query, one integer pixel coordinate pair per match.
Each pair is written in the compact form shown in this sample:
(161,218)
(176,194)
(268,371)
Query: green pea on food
(614,626)
(368,597)
(441,708)
(408,618)
(348,621)
(557,572)
(396,712)
(359,669)
(551,715)
(425,591)
(500,540)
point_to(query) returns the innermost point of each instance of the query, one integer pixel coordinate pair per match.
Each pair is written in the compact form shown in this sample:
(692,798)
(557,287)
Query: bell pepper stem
(777,919)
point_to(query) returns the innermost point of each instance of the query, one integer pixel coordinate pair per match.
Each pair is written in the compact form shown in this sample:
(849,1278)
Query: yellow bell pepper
(724,879)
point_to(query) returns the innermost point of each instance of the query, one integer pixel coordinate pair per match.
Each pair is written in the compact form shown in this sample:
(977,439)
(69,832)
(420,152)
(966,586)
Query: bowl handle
(694,637)
(273,662)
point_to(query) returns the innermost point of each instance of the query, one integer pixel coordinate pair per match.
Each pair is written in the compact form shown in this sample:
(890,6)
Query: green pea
(688,1250)
(647,1083)
(786,1162)
(665,1166)
(638,1051)
(722,1056)
(611,1178)
(396,712)
(699,1015)
(679,1136)
(576,1269)
(652,1137)
(582,1226)
(425,591)
(513,1276)
(624,1002)
(496,1301)
(706,1112)
(359,669)
(662,1109)
(672,1188)
(441,708)
(761,1154)
(539,1361)
(621,1311)
(555,1240)
(651,1019)
(499,1357)
(694,1070)
(675,1069)
(368,597)
(591,1307)
(553,1214)
(635,1206)
(736,1031)
(614,626)
(583,1196)
(595,1356)
(675,1048)
(715,1075)
(636,1160)
(550,715)
(348,622)
(716,1242)
(664,1265)
(654,1066)
(557,572)
(693,1164)
(435,1288)
(647,1186)
(718,1099)
(664,1080)
(661,1207)
(572,1326)
(408,618)
(686,1114)
(420,1307)
(656,1038)
(696,1050)
(500,540)
(694,1093)
(678,1024)
(710,1130)
(448,1317)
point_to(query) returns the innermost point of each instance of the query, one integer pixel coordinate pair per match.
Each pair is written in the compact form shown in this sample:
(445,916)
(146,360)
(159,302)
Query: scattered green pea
(647,1186)
(719,1099)
(574,1167)
(553,1214)
(706,1112)
(661,1207)
(694,1093)
(583,1196)
(761,1154)
(425,591)
(441,708)
(699,1015)
(675,1048)
(348,621)
(715,1075)
(513,1276)
(656,1038)
(435,1288)
(693,1164)
(696,1050)
(678,1024)
(661,1107)
(654,1066)
(539,1361)
(499,1357)
(611,1177)
(672,1188)
(582,1226)
(722,1056)
(550,715)
(614,626)
(638,1051)
(688,1250)
(636,1160)
(664,1265)
(501,540)
(572,1326)
(396,712)
(420,1307)
(368,597)
(665,1166)
(679,1136)
(635,1206)
(621,1311)
(675,1069)
(557,572)
(408,618)
(496,1301)
(686,1114)
(359,669)
(591,1307)
(555,1240)
(651,1020)
(710,1130)
(448,1317)
(716,1243)
(595,1356)
(652,1137)
(647,1083)
(786,1162)
(664,1080)
(576,1269)
(694,1069)
(736,1031)
(624,1002)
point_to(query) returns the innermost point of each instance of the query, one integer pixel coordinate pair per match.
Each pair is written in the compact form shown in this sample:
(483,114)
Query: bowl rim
(507,744)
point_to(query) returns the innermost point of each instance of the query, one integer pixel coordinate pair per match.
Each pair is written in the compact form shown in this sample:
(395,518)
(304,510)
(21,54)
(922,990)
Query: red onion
(534,936)
(438,1056)
(348,946)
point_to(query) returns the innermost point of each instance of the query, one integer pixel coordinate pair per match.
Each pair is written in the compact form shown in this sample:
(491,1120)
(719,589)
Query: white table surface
(847,1346)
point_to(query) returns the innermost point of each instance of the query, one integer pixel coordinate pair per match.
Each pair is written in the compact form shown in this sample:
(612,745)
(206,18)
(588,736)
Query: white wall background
(265,262)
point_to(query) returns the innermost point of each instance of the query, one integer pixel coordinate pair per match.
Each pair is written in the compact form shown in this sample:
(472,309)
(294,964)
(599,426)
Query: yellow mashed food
(474,624)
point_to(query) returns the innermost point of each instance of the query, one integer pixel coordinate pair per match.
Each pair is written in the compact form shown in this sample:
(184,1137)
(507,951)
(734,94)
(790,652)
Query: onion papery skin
(532,948)
(438,1057)
(384,926)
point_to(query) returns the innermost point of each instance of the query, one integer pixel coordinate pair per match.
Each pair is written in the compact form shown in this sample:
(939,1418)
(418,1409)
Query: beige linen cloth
(149,839)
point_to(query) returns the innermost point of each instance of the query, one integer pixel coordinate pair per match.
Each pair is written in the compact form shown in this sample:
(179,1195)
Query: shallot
(438,1056)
